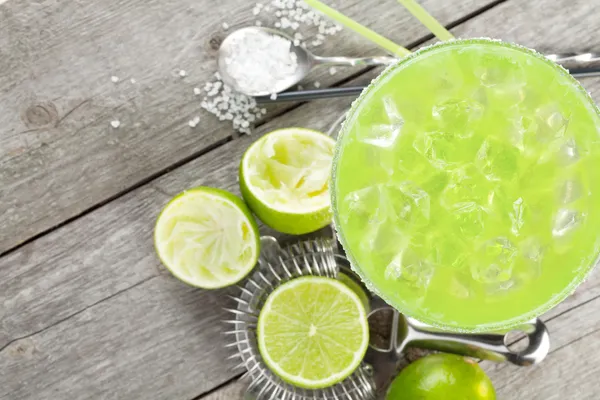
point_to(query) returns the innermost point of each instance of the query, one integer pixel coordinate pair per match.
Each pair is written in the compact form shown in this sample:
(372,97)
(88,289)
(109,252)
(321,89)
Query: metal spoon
(306,61)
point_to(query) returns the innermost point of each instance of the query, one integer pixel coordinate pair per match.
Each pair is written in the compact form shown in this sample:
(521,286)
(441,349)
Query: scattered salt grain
(194,122)
(332,71)
(115,79)
(273,96)
(225,25)
(115,124)
(197,91)
(317,84)
(182,73)
(133,81)
(295,15)
(229,105)
(258,61)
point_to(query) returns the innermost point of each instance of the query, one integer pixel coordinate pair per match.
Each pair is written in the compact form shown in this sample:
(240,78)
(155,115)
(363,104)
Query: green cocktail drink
(466,185)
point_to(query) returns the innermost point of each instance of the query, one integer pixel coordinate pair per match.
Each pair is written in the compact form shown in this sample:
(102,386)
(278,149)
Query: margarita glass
(466,187)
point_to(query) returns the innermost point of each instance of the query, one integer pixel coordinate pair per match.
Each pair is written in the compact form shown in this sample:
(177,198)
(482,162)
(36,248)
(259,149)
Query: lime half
(442,376)
(207,238)
(284,178)
(313,332)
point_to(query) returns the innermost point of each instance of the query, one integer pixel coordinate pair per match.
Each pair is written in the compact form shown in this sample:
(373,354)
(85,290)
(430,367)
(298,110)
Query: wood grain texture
(234,390)
(569,372)
(91,306)
(59,156)
(158,340)
(87,267)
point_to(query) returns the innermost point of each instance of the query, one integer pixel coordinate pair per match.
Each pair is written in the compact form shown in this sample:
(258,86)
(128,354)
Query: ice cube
(551,127)
(408,202)
(384,135)
(410,268)
(458,116)
(363,207)
(494,72)
(570,191)
(469,220)
(517,216)
(386,239)
(440,148)
(568,153)
(528,266)
(565,222)
(459,288)
(494,261)
(463,187)
(497,160)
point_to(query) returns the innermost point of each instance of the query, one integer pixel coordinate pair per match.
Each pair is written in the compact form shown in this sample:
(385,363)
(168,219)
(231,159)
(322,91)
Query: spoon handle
(486,346)
(353,62)
(314,94)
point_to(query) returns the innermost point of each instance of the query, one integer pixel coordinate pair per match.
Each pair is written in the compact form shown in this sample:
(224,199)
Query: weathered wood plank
(569,372)
(109,250)
(59,156)
(234,390)
(169,347)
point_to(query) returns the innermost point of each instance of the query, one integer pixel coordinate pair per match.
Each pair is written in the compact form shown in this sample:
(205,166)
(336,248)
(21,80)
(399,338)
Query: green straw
(426,19)
(358,28)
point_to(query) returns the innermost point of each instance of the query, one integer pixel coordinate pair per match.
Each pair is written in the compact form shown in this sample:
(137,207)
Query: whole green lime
(442,377)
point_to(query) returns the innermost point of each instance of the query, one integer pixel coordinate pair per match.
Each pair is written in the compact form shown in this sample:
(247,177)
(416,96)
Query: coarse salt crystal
(132,81)
(317,84)
(197,91)
(258,23)
(115,79)
(225,25)
(115,124)
(182,73)
(259,61)
(332,71)
(273,96)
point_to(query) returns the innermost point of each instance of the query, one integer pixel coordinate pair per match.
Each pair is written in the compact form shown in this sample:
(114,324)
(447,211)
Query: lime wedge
(207,238)
(313,332)
(284,178)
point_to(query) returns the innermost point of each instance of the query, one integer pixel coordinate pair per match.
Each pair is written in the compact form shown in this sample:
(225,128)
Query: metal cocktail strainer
(391,332)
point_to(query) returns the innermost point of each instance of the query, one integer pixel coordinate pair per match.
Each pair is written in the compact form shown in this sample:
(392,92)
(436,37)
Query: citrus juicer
(320,257)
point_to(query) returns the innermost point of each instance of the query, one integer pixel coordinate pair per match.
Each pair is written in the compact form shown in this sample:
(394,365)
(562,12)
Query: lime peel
(284,179)
(207,238)
(313,332)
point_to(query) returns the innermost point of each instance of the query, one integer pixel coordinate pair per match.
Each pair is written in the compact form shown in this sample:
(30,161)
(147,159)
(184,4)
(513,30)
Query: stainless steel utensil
(579,64)
(317,257)
(305,59)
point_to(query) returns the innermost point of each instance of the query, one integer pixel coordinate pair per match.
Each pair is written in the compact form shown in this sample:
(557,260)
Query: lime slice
(207,238)
(313,332)
(284,178)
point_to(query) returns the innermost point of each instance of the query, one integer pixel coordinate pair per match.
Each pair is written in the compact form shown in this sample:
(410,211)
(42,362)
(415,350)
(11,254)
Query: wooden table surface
(86,309)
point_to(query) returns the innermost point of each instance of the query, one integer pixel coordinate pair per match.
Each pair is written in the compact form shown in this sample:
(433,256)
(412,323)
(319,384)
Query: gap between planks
(226,140)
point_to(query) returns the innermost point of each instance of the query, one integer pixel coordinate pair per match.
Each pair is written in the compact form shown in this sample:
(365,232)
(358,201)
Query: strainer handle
(486,346)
